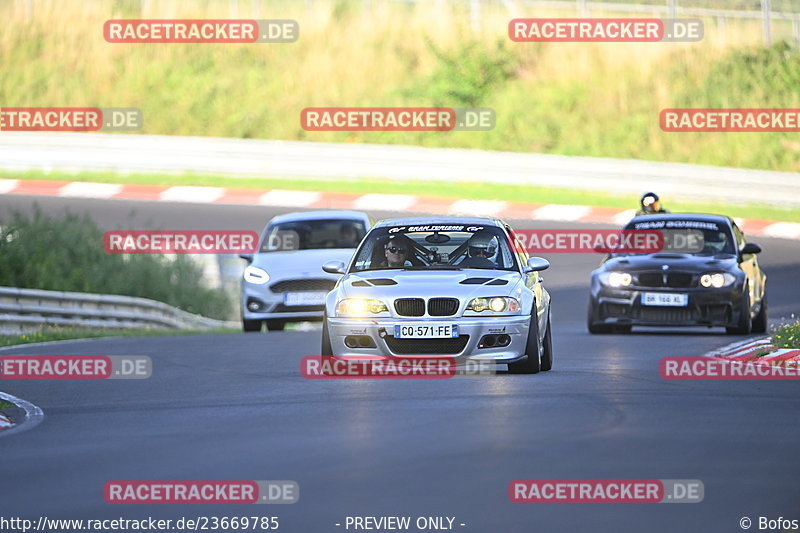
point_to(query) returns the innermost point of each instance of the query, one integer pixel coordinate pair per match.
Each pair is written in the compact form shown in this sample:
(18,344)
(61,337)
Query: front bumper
(272,306)
(705,307)
(471,331)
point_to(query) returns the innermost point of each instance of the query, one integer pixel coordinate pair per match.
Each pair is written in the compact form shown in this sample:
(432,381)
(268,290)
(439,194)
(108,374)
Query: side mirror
(751,248)
(537,264)
(247,257)
(334,267)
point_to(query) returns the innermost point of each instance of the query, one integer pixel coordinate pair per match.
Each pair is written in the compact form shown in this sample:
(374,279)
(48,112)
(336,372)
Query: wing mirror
(334,267)
(537,264)
(751,248)
(247,257)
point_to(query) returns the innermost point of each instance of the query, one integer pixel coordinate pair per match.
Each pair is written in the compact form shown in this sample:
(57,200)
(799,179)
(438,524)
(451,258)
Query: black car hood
(676,262)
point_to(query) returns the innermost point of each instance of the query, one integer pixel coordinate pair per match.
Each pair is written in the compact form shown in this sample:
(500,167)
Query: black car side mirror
(247,257)
(751,248)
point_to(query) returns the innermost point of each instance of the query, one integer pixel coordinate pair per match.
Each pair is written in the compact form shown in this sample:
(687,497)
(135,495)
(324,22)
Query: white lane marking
(737,346)
(80,189)
(786,230)
(33,415)
(773,355)
(567,213)
(200,195)
(385,202)
(288,198)
(7,186)
(478,208)
(623,216)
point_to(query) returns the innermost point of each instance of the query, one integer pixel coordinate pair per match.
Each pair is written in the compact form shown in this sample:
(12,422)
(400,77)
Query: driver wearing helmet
(650,205)
(481,247)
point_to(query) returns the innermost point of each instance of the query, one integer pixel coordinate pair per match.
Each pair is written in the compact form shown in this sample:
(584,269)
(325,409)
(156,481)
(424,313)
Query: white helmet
(482,243)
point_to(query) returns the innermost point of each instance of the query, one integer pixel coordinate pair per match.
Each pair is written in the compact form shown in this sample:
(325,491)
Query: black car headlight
(616,279)
(717,279)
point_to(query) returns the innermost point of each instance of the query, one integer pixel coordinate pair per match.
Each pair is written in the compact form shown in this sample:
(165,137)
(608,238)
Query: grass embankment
(67,254)
(596,99)
(787,336)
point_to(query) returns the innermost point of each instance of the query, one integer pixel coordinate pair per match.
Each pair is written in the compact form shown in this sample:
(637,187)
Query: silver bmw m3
(456,287)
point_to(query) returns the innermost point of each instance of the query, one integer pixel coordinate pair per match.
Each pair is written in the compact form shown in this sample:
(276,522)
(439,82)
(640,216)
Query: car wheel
(326,348)
(547,353)
(594,327)
(275,325)
(623,328)
(532,364)
(745,323)
(760,321)
(251,325)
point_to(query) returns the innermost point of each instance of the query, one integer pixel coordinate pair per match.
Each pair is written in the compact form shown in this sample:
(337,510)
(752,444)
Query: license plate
(665,298)
(426,331)
(304,298)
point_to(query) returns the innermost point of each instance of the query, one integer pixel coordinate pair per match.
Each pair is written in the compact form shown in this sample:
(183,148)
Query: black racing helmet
(650,202)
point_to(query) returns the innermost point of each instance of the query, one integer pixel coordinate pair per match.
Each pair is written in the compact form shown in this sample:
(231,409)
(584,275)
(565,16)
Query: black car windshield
(435,247)
(312,235)
(696,237)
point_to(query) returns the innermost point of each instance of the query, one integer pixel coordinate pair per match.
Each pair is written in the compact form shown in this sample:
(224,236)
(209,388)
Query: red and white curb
(5,423)
(753,351)
(372,201)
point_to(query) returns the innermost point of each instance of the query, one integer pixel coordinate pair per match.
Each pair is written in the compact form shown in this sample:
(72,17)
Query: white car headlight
(496,304)
(717,279)
(255,275)
(616,279)
(359,307)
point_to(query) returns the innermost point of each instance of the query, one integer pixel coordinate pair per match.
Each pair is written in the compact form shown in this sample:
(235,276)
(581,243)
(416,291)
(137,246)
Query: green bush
(67,254)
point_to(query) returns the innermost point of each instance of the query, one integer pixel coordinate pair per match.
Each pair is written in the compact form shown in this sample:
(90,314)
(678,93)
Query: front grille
(442,306)
(426,346)
(409,306)
(280,308)
(675,280)
(615,310)
(662,314)
(299,285)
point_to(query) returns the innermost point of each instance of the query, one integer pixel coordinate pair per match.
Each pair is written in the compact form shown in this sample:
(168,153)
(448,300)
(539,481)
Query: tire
(251,325)
(532,364)
(623,328)
(760,321)
(275,325)
(547,353)
(592,326)
(325,348)
(745,324)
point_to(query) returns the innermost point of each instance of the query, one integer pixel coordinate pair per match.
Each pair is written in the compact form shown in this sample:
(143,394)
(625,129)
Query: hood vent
(377,282)
(483,281)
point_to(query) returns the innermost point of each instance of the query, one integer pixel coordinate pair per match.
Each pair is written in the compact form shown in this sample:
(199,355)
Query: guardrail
(26,310)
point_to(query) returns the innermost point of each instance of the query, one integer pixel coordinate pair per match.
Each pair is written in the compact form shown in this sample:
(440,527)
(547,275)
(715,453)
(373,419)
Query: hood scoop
(377,282)
(667,256)
(483,281)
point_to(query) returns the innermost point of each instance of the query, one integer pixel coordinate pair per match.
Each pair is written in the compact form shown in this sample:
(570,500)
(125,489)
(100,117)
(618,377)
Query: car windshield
(696,237)
(435,247)
(312,235)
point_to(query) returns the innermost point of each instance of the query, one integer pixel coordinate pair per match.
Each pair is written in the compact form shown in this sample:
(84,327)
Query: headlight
(497,304)
(616,279)
(359,307)
(255,275)
(717,279)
